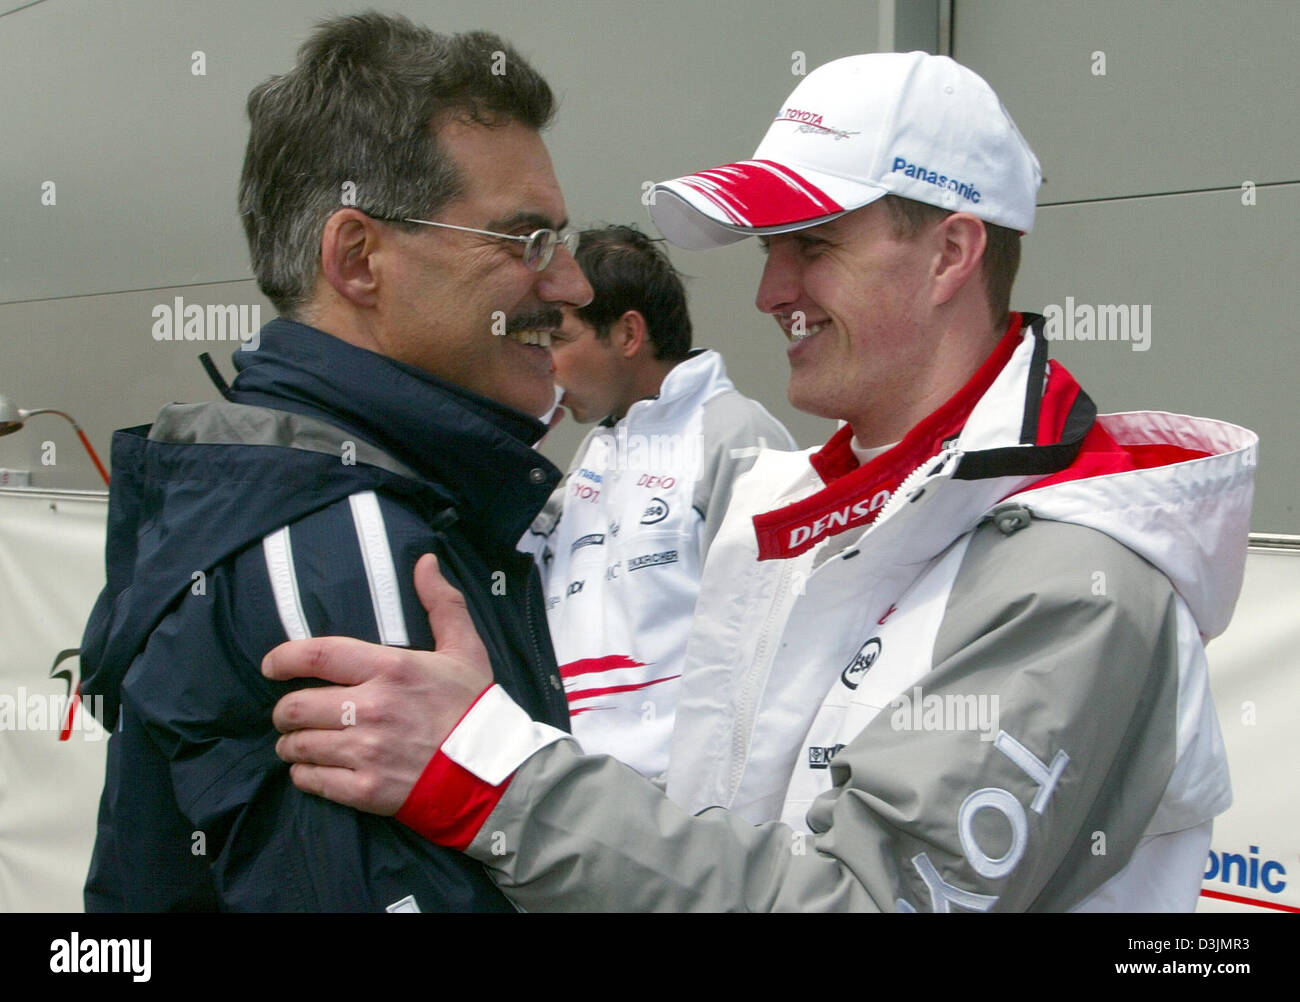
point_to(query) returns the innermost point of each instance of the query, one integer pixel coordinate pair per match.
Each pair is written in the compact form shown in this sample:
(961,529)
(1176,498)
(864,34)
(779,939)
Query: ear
(628,335)
(347,242)
(960,240)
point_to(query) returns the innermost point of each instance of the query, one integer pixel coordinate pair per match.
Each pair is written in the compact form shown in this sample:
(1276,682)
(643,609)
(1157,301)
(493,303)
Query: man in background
(624,537)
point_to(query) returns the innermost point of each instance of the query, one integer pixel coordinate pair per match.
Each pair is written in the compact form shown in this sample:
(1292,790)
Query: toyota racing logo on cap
(810,121)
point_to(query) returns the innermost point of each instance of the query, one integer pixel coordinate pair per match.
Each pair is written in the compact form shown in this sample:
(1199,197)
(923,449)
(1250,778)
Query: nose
(562,281)
(778,289)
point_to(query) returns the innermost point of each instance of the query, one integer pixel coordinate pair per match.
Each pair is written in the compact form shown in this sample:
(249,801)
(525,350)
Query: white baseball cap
(910,124)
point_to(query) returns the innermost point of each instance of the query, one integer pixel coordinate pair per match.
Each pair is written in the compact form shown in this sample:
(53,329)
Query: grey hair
(362,105)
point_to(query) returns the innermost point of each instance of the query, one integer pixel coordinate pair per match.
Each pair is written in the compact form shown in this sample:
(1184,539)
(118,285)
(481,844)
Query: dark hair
(1001,249)
(628,272)
(361,108)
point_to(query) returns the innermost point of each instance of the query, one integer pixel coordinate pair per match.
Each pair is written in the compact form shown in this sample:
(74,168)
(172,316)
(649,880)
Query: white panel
(51,569)
(1253,668)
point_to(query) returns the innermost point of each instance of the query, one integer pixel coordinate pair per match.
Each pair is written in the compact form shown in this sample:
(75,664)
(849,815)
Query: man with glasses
(404,219)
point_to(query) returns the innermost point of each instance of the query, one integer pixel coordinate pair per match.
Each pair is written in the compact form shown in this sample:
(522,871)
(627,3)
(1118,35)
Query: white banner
(52,568)
(1254,862)
(51,774)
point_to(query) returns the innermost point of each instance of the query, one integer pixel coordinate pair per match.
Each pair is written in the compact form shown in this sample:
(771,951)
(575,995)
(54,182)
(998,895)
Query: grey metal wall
(1143,202)
(145,156)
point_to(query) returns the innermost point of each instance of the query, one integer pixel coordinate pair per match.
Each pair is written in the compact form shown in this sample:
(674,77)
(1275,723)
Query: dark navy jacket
(369,463)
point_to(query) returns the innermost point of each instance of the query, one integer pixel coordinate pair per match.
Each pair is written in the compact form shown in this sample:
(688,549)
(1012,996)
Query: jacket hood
(1021,433)
(206,480)
(177,509)
(1189,516)
(1177,490)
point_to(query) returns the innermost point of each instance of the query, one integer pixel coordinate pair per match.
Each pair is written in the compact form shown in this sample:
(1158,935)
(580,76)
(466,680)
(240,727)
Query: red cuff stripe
(449,804)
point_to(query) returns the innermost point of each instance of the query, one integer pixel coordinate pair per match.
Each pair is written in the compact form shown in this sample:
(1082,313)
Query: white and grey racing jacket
(621,545)
(984,691)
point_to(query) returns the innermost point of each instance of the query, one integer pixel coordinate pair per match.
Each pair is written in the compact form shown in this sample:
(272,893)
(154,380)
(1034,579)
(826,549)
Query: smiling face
(447,294)
(854,302)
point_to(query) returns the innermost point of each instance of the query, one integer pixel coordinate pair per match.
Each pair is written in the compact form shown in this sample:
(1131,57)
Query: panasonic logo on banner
(964,189)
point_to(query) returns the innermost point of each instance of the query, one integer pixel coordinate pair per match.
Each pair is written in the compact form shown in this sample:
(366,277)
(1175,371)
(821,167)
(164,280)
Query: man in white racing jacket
(957,652)
(622,540)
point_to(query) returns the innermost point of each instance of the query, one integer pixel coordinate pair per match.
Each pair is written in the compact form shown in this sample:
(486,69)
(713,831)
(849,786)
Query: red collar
(854,494)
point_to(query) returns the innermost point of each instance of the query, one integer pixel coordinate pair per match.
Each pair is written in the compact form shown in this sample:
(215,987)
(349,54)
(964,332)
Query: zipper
(758,669)
(558,701)
(930,469)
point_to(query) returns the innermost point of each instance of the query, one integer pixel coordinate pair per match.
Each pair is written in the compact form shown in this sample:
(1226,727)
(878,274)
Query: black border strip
(1020,461)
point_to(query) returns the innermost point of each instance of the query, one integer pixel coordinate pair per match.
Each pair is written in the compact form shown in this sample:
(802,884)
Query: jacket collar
(703,373)
(477,449)
(688,384)
(1010,423)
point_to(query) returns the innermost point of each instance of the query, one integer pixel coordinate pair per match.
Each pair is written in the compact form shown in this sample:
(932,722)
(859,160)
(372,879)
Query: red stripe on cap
(808,189)
(715,197)
(765,192)
(722,181)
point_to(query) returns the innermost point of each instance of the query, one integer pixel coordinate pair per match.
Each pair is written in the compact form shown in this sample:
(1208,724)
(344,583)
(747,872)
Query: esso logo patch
(863,660)
(655,511)
(654,480)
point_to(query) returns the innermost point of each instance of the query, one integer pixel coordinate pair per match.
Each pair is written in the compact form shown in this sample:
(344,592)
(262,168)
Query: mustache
(546,318)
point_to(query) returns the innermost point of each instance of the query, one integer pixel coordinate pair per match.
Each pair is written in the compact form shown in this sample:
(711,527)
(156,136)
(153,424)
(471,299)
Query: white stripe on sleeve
(284,584)
(381,575)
